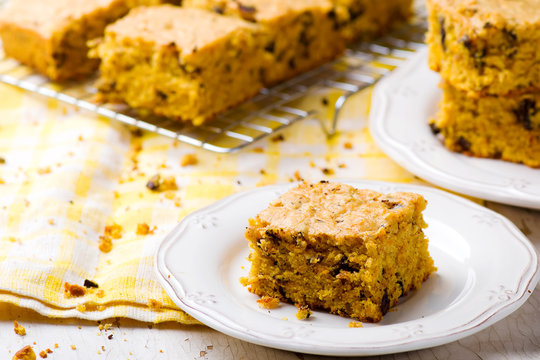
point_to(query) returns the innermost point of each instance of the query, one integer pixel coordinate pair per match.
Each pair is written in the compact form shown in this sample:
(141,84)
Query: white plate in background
(402,105)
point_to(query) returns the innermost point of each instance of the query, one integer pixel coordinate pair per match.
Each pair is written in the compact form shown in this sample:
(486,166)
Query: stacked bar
(52,36)
(487,54)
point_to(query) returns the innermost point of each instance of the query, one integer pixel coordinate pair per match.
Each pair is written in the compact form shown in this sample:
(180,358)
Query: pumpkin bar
(183,63)
(499,127)
(334,247)
(301,34)
(52,36)
(368,19)
(486,46)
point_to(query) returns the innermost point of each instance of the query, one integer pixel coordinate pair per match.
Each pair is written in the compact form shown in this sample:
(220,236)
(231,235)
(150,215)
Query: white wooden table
(515,337)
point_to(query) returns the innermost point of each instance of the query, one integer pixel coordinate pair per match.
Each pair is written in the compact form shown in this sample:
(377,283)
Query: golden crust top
(166,24)
(262,10)
(339,212)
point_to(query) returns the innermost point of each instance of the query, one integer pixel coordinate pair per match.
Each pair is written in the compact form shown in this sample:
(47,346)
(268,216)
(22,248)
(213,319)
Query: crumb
(161,351)
(268,302)
(102,347)
(105,327)
(80,138)
(348,145)
(26,353)
(285,318)
(312,164)
(143,229)
(51,221)
(73,290)
(158,183)
(258,150)
(244,281)
(304,312)
(154,305)
(73,347)
(202,353)
(2,160)
(278,138)
(324,101)
(114,231)
(210,347)
(19,329)
(56,346)
(45,170)
(100,293)
(110,337)
(262,171)
(189,159)
(43,354)
(355,324)
(327,171)
(49,351)
(342,166)
(297,176)
(105,244)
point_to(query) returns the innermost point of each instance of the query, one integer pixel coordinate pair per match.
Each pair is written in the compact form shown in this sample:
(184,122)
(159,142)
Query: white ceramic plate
(486,269)
(402,105)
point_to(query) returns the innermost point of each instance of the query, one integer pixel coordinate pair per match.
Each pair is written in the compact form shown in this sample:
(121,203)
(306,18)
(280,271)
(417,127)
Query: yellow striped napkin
(75,207)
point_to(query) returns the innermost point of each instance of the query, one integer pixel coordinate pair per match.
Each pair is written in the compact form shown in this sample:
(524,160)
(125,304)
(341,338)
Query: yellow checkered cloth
(68,174)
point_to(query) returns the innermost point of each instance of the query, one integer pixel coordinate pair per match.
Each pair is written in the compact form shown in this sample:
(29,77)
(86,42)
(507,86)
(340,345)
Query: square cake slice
(52,36)
(301,34)
(331,246)
(183,63)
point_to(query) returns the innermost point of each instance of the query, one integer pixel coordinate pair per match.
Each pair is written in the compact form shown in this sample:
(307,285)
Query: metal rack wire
(270,111)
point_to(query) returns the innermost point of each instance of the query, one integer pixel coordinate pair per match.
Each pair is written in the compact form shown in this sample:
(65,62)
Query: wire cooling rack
(268,112)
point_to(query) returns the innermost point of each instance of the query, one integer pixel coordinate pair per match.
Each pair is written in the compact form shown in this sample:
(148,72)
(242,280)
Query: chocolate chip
(344,265)
(219,9)
(464,144)
(154,182)
(161,95)
(466,41)
(270,47)
(443,33)
(526,109)
(90,284)
(434,128)
(247,12)
(385,303)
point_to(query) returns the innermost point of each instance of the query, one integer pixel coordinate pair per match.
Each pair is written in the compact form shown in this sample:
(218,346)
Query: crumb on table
(19,329)
(26,353)
(189,159)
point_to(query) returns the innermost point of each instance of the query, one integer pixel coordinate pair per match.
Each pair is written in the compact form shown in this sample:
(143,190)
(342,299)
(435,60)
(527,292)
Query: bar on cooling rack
(183,63)
(51,36)
(301,34)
